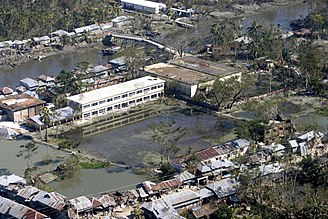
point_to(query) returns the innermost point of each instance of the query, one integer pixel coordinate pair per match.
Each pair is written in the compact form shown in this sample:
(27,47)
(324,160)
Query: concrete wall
(22,115)
(140,8)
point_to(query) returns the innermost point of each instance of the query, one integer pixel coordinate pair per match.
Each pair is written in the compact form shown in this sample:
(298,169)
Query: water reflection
(127,144)
(281,15)
(51,65)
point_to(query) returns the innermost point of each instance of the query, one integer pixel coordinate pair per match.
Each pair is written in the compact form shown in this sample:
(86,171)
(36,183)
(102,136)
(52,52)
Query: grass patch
(67,144)
(323,112)
(94,165)
(228,137)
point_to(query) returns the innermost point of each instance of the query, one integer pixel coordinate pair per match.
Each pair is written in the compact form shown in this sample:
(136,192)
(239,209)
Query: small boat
(111,50)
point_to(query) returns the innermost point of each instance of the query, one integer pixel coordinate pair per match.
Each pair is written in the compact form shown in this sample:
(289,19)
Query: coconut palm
(46,117)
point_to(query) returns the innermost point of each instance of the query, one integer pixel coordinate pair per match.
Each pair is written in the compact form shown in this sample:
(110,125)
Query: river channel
(128,143)
(51,65)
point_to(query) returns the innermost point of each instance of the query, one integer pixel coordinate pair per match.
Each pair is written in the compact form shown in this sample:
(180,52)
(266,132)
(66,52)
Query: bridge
(146,41)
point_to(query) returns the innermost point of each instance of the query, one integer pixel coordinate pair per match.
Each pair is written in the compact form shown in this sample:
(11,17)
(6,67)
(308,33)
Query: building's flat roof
(144,3)
(19,102)
(204,66)
(178,73)
(113,90)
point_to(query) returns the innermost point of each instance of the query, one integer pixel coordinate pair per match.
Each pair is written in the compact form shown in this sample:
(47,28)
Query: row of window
(131,94)
(121,106)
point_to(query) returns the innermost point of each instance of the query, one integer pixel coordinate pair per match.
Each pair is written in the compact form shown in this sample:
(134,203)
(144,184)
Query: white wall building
(117,97)
(142,5)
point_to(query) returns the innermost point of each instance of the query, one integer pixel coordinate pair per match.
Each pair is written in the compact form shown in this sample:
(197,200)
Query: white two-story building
(117,97)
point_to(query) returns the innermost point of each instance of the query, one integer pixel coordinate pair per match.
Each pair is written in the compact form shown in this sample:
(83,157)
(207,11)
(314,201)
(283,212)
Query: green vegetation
(67,144)
(302,193)
(46,188)
(68,168)
(94,165)
(167,171)
(263,110)
(21,19)
(46,114)
(137,213)
(252,130)
(323,110)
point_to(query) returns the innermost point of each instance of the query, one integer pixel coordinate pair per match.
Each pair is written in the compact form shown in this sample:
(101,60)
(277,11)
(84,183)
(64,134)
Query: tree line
(24,19)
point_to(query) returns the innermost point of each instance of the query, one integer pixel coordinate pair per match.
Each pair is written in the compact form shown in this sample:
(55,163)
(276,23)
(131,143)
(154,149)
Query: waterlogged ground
(128,144)
(95,181)
(302,110)
(45,159)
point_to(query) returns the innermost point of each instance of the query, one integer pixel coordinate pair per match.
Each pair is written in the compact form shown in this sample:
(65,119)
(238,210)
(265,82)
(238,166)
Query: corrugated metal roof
(57,115)
(168,184)
(206,154)
(159,207)
(185,176)
(46,78)
(81,203)
(52,199)
(179,198)
(205,193)
(224,187)
(17,210)
(230,146)
(29,82)
(106,201)
(6,90)
(205,210)
(27,192)
(11,179)
(142,193)
(217,164)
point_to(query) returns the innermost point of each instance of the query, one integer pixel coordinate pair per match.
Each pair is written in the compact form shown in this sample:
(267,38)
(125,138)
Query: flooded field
(318,121)
(83,181)
(127,144)
(46,157)
(94,181)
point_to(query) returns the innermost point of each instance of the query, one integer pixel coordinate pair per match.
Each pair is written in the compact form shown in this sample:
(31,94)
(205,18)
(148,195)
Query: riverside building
(117,97)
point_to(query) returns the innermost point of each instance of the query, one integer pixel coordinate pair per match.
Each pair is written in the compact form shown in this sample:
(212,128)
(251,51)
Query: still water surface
(122,144)
(67,60)
(281,15)
(95,181)
(128,144)
(51,65)
(46,158)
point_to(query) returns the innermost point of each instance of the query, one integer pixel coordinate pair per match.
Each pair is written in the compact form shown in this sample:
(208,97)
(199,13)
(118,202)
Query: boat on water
(111,50)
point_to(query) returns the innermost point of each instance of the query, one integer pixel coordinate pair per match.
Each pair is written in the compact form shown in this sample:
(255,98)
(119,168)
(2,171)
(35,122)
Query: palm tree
(65,40)
(46,117)
(137,213)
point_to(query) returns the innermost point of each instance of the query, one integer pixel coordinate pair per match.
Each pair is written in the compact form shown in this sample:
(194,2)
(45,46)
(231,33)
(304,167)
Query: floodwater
(83,181)
(128,144)
(280,15)
(95,181)
(52,65)
(46,158)
(67,60)
(318,121)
